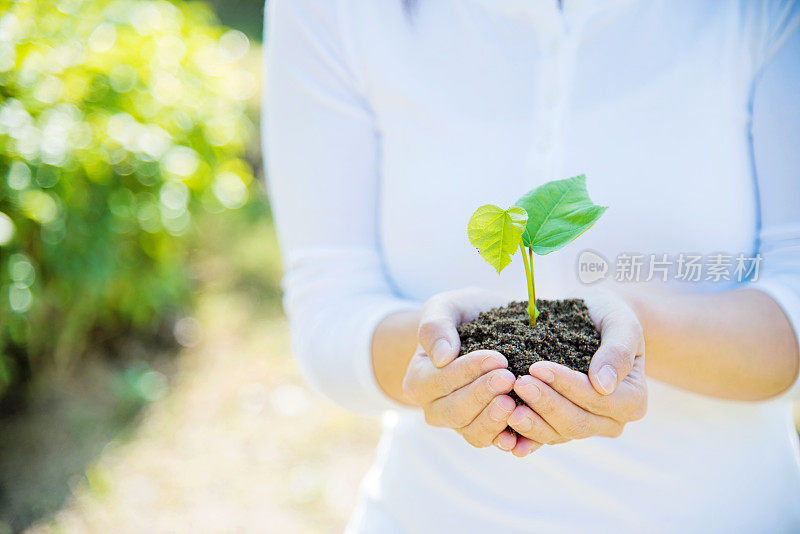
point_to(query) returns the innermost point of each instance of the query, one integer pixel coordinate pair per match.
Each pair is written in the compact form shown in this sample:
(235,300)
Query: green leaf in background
(558,212)
(497,233)
(124,124)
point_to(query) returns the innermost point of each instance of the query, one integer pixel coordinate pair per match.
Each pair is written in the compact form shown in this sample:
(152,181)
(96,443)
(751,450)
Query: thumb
(621,339)
(437,331)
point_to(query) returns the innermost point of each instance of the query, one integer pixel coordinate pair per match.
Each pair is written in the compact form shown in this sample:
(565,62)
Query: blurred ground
(230,440)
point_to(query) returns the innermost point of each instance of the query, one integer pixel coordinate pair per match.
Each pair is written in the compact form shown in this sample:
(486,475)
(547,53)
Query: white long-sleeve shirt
(386,127)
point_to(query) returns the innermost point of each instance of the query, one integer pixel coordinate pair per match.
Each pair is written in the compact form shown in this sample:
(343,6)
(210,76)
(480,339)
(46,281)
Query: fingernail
(528,389)
(607,378)
(441,351)
(500,383)
(504,442)
(544,374)
(501,409)
(520,422)
(493,361)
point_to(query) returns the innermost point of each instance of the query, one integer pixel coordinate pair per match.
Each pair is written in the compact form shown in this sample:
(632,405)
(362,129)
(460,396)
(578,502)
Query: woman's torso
(478,102)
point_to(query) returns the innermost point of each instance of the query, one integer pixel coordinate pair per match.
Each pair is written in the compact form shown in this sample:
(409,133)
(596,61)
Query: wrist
(393,344)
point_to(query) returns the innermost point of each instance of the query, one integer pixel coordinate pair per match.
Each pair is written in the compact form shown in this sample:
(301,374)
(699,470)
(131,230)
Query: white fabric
(387,127)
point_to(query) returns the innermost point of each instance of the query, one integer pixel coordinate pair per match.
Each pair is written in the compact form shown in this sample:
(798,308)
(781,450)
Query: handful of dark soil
(564,333)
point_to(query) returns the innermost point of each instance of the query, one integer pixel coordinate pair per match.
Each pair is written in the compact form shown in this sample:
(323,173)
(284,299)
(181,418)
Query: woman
(390,122)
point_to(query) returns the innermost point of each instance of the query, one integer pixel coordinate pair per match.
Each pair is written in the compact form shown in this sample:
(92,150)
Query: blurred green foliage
(121,123)
(245,15)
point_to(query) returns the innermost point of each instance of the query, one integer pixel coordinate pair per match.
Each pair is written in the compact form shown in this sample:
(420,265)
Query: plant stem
(533,312)
(533,286)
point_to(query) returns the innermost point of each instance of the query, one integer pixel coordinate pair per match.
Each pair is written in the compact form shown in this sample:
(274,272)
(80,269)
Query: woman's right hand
(468,394)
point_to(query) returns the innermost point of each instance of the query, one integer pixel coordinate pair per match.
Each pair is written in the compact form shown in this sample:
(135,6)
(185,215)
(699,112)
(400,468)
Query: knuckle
(442,382)
(544,406)
(620,350)
(475,361)
(542,433)
(639,412)
(622,355)
(578,429)
(412,389)
(610,316)
(454,417)
(431,419)
(637,408)
(602,405)
(480,392)
(615,431)
(432,329)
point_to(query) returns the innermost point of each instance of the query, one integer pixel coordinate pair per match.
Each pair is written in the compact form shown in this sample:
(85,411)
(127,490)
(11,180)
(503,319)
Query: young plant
(542,221)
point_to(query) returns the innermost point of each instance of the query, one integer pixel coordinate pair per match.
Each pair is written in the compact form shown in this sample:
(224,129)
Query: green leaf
(497,233)
(558,212)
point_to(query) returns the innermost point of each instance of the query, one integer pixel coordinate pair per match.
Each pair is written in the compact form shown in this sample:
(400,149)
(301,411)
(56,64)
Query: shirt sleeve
(321,148)
(776,144)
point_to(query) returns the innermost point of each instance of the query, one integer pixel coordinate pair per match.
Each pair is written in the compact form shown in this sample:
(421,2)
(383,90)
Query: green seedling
(542,221)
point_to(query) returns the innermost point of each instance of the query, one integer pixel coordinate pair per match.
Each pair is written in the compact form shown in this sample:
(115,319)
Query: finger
(524,447)
(437,330)
(574,386)
(569,420)
(487,427)
(529,424)
(424,382)
(505,441)
(461,407)
(635,386)
(627,403)
(621,341)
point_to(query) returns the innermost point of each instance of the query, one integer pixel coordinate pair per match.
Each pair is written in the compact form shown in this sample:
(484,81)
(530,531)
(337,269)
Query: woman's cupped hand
(470,393)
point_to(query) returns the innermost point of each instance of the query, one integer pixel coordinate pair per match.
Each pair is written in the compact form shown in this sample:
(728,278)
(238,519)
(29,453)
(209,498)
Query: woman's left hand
(563,404)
